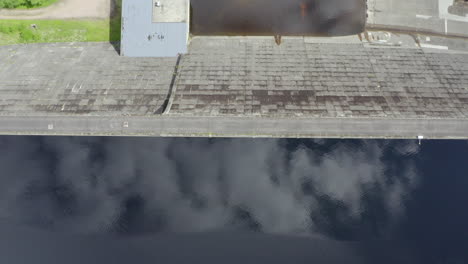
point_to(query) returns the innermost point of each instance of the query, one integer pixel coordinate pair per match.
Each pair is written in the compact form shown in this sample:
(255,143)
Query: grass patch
(25,4)
(22,31)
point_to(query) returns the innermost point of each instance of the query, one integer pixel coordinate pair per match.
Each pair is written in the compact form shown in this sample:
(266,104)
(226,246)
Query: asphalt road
(178,126)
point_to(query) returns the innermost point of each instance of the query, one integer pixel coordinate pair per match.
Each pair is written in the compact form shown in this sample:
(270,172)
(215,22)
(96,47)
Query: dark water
(278,17)
(125,199)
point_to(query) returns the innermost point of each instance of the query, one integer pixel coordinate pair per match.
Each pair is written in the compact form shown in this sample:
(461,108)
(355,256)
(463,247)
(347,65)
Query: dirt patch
(63,9)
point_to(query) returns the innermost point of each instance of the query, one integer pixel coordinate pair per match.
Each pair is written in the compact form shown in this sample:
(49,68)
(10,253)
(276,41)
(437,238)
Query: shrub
(23,3)
(27,35)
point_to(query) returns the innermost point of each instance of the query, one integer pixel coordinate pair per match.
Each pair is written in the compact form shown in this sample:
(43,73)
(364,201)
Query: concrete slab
(426,15)
(238,86)
(170,11)
(256,77)
(80,78)
(336,40)
(169,126)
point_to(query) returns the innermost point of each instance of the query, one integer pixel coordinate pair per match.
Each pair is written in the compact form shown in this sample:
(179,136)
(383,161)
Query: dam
(405,81)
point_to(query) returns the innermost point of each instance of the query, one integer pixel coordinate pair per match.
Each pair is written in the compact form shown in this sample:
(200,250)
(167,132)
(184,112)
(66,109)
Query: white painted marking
(125,124)
(430,46)
(108,88)
(445,26)
(77,89)
(50,126)
(423,16)
(428,39)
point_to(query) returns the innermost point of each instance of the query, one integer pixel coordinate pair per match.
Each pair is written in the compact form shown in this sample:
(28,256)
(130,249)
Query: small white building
(155,28)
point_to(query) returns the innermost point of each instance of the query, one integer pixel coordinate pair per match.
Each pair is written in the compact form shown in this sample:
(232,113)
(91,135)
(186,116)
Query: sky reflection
(350,190)
(90,185)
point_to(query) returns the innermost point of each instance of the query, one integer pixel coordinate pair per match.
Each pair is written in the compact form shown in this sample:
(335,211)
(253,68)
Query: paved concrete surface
(236,127)
(63,9)
(391,86)
(245,76)
(170,11)
(83,78)
(416,15)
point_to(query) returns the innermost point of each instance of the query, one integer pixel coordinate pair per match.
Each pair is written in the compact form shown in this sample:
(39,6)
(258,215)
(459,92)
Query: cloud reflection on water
(90,185)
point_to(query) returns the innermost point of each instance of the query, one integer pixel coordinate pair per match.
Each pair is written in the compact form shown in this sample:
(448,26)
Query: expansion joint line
(172,88)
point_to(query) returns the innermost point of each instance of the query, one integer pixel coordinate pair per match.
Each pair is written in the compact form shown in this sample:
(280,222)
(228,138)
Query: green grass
(25,4)
(86,30)
(20,31)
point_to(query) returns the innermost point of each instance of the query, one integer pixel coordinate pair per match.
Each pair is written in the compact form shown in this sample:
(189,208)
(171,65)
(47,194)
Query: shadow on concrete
(115,21)
(277,17)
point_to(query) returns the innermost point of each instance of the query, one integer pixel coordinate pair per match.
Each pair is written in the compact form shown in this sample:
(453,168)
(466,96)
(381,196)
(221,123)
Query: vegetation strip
(25,4)
(16,31)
